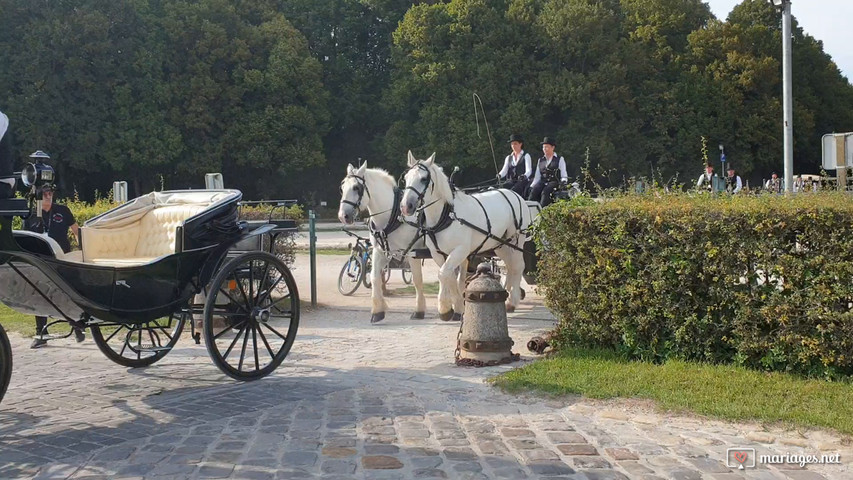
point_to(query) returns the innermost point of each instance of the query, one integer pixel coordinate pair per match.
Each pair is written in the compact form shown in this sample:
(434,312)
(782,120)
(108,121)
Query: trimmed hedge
(764,282)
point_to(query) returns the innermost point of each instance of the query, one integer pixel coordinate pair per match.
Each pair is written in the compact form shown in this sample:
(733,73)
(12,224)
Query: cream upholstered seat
(142,232)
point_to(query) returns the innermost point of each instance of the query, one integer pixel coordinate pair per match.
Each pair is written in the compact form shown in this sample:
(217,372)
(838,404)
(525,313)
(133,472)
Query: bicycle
(357,269)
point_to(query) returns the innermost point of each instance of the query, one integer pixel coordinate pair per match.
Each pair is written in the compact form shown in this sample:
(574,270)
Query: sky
(825,20)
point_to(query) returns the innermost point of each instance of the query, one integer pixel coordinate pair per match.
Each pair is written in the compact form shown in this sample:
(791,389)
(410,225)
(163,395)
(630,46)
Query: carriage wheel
(250,320)
(5,362)
(139,344)
(350,277)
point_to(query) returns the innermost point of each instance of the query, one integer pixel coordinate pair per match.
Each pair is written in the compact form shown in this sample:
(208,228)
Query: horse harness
(448,216)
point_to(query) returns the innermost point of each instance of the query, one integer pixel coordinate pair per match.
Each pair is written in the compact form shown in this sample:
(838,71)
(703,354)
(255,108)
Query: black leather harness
(448,216)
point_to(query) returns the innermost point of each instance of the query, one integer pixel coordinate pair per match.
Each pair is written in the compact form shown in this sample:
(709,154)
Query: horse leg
(459,299)
(448,278)
(514,261)
(379,305)
(418,280)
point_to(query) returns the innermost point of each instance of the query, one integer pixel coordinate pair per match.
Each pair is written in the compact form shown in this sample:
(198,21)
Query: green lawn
(13,321)
(429,288)
(725,392)
(327,251)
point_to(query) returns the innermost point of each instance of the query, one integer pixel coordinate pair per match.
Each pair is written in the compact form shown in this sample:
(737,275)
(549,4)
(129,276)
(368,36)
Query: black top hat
(549,141)
(730,167)
(515,138)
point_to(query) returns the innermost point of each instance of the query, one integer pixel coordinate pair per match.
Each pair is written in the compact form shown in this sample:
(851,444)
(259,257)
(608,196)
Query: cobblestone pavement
(355,401)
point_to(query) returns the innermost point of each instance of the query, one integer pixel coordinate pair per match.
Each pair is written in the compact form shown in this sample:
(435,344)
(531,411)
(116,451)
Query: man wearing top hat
(517,169)
(550,172)
(7,180)
(733,181)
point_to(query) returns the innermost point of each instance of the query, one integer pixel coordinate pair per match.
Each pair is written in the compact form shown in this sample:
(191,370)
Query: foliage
(762,282)
(279,95)
(682,386)
(176,88)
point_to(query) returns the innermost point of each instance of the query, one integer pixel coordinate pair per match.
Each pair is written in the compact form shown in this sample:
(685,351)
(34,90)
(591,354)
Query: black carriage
(145,269)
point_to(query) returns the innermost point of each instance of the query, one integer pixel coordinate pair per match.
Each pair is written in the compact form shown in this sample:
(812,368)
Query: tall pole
(788,102)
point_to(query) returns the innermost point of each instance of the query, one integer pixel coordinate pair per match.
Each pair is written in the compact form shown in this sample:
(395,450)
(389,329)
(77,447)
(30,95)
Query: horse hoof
(510,309)
(377,317)
(457,317)
(446,316)
(418,316)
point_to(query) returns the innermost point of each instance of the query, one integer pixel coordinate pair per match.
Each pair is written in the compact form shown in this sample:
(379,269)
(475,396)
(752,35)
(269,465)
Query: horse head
(422,180)
(353,192)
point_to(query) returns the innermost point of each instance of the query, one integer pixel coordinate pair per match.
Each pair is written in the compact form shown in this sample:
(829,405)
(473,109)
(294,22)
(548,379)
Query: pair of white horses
(455,225)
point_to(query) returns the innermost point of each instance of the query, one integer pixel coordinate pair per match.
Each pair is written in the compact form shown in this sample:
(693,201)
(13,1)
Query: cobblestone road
(354,401)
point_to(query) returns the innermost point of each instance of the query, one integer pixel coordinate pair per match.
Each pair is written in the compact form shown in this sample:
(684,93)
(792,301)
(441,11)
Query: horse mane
(380,175)
(442,184)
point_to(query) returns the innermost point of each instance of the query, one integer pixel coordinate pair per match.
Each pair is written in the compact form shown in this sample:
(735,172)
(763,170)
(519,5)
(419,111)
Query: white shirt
(704,178)
(564,176)
(511,161)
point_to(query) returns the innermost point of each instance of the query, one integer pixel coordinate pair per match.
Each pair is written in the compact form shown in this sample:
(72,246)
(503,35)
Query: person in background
(774,185)
(706,180)
(7,180)
(517,170)
(733,181)
(56,221)
(550,173)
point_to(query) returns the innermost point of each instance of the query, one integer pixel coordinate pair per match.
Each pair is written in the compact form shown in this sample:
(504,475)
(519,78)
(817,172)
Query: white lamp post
(787,97)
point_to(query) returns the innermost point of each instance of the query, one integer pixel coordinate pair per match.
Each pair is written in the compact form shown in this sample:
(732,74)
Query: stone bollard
(483,336)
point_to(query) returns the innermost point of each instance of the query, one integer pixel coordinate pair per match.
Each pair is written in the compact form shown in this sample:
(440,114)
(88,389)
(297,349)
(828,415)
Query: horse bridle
(429,184)
(361,191)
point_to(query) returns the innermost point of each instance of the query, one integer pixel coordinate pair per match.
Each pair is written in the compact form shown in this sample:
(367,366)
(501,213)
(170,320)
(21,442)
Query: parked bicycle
(356,270)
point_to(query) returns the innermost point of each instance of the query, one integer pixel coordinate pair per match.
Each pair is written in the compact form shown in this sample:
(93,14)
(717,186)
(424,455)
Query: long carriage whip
(488,132)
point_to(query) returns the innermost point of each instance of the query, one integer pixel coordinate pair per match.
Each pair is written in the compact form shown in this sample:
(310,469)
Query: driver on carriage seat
(516,173)
(550,174)
(7,181)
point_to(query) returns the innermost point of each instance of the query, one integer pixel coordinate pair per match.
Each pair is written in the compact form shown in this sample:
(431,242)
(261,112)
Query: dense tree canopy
(280,94)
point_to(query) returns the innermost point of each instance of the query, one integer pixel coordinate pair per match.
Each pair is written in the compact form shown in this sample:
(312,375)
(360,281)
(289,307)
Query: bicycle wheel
(367,277)
(386,274)
(406,272)
(350,276)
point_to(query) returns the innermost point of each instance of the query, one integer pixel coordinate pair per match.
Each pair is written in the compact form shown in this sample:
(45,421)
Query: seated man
(7,182)
(550,174)
(517,170)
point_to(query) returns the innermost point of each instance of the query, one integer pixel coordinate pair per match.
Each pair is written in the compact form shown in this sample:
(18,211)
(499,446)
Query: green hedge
(765,282)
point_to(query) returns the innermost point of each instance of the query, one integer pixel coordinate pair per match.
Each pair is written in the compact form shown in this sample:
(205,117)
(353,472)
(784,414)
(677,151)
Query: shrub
(763,282)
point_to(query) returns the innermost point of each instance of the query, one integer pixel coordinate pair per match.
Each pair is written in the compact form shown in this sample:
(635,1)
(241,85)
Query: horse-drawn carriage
(146,268)
(422,219)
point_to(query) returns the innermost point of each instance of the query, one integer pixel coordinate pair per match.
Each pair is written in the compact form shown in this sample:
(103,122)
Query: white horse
(374,190)
(458,225)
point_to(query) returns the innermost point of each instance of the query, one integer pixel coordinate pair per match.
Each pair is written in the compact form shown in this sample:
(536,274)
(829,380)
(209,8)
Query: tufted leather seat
(151,236)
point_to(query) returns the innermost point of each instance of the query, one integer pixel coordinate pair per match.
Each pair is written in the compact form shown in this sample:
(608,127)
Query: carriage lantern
(36,176)
(483,336)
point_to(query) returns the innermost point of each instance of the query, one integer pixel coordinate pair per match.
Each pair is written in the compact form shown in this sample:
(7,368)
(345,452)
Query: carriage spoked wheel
(5,362)
(139,344)
(406,272)
(251,315)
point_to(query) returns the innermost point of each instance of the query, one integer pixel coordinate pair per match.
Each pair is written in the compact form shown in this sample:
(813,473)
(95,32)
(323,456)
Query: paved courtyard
(356,401)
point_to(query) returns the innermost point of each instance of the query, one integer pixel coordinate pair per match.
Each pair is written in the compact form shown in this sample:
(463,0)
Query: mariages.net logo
(742,458)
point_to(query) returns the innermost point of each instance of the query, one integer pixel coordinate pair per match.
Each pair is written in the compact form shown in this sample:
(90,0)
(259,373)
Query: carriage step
(52,336)
(151,349)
